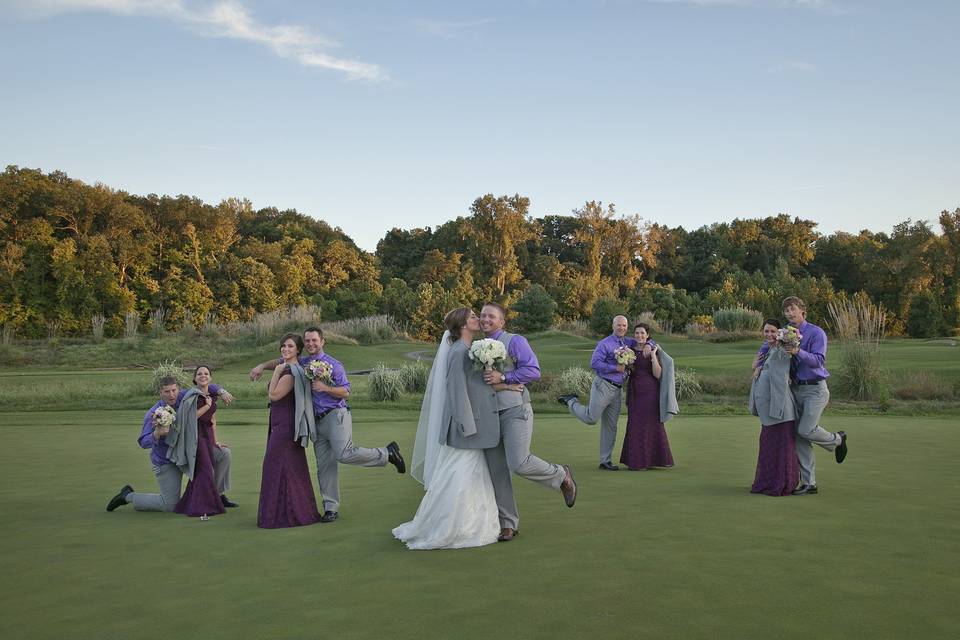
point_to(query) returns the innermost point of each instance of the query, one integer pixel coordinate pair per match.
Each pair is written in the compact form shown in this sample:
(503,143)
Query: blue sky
(372,115)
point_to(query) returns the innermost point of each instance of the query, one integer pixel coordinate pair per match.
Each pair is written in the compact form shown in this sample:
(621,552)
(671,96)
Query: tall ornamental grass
(687,383)
(575,380)
(268,326)
(576,327)
(169,368)
(648,319)
(414,376)
(97,322)
(131,324)
(859,325)
(367,330)
(385,385)
(158,320)
(736,319)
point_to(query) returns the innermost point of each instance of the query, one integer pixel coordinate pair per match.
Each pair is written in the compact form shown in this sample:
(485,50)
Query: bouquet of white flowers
(789,337)
(163,418)
(625,356)
(320,370)
(487,354)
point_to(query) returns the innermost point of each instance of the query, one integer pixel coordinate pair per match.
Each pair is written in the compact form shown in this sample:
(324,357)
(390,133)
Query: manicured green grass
(679,553)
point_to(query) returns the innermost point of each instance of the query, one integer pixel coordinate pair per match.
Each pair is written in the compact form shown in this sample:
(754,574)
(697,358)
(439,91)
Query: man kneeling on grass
(169,477)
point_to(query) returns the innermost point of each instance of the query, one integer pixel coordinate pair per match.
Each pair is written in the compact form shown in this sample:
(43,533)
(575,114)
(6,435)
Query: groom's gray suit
(475,417)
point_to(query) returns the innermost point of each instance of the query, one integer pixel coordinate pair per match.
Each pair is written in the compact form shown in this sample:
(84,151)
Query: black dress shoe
(227,502)
(841,451)
(565,399)
(329,516)
(120,499)
(608,466)
(394,457)
(569,488)
(804,490)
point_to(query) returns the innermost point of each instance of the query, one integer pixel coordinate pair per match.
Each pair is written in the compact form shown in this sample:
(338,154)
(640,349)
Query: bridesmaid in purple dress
(645,444)
(778,471)
(286,489)
(201,497)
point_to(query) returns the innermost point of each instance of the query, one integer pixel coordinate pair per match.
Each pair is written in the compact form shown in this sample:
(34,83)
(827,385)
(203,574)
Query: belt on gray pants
(323,414)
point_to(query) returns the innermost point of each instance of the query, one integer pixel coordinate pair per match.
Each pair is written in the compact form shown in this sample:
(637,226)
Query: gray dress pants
(811,401)
(513,455)
(605,399)
(169,478)
(334,444)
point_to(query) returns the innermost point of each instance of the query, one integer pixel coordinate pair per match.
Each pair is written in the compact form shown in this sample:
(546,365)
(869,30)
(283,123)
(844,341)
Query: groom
(511,453)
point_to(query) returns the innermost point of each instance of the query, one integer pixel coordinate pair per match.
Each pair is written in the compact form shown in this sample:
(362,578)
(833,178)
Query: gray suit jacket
(668,387)
(182,439)
(470,414)
(304,424)
(770,397)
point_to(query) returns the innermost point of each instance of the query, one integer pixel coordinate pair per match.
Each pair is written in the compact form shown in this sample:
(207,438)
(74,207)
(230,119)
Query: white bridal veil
(426,447)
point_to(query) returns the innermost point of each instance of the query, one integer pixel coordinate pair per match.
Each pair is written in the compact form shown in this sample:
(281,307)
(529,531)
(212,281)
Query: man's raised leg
(516,427)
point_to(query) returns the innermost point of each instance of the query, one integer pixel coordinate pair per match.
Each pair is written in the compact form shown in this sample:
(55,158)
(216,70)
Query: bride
(459,508)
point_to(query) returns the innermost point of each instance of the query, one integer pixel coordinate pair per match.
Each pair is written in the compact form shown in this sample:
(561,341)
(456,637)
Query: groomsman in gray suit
(169,476)
(508,448)
(605,393)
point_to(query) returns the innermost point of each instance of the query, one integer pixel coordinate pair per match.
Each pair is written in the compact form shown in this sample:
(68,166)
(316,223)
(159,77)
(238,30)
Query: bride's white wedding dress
(459,508)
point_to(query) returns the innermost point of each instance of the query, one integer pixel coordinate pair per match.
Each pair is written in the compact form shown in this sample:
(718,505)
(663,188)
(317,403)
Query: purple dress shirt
(526,368)
(604,360)
(809,363)
(323,401)
(158,448)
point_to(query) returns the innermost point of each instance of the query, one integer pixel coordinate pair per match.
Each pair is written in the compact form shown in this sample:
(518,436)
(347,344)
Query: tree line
(72,251)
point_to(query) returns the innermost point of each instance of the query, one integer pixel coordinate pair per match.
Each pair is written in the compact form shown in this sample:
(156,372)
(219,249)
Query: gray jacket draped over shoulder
(182,439)
(471,418)
(770,397)
(304,424)
(668,387)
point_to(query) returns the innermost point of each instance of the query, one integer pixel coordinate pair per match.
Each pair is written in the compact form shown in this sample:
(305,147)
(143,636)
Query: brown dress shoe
(507,534)
(569,487)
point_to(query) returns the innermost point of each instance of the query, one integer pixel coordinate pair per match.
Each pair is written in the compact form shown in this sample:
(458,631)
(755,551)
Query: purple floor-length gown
(778,471)
(286,489)
(645,444)
(201,496)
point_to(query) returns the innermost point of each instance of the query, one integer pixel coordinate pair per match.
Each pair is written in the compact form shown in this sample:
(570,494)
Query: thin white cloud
(794,66)
(226,19)
(827,6)
(448,29)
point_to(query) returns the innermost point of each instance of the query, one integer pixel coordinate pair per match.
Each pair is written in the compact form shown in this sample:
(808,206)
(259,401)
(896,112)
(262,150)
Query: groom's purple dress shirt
(808,364)
(604,360)
(323,401)
(158,448)
(526,368)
